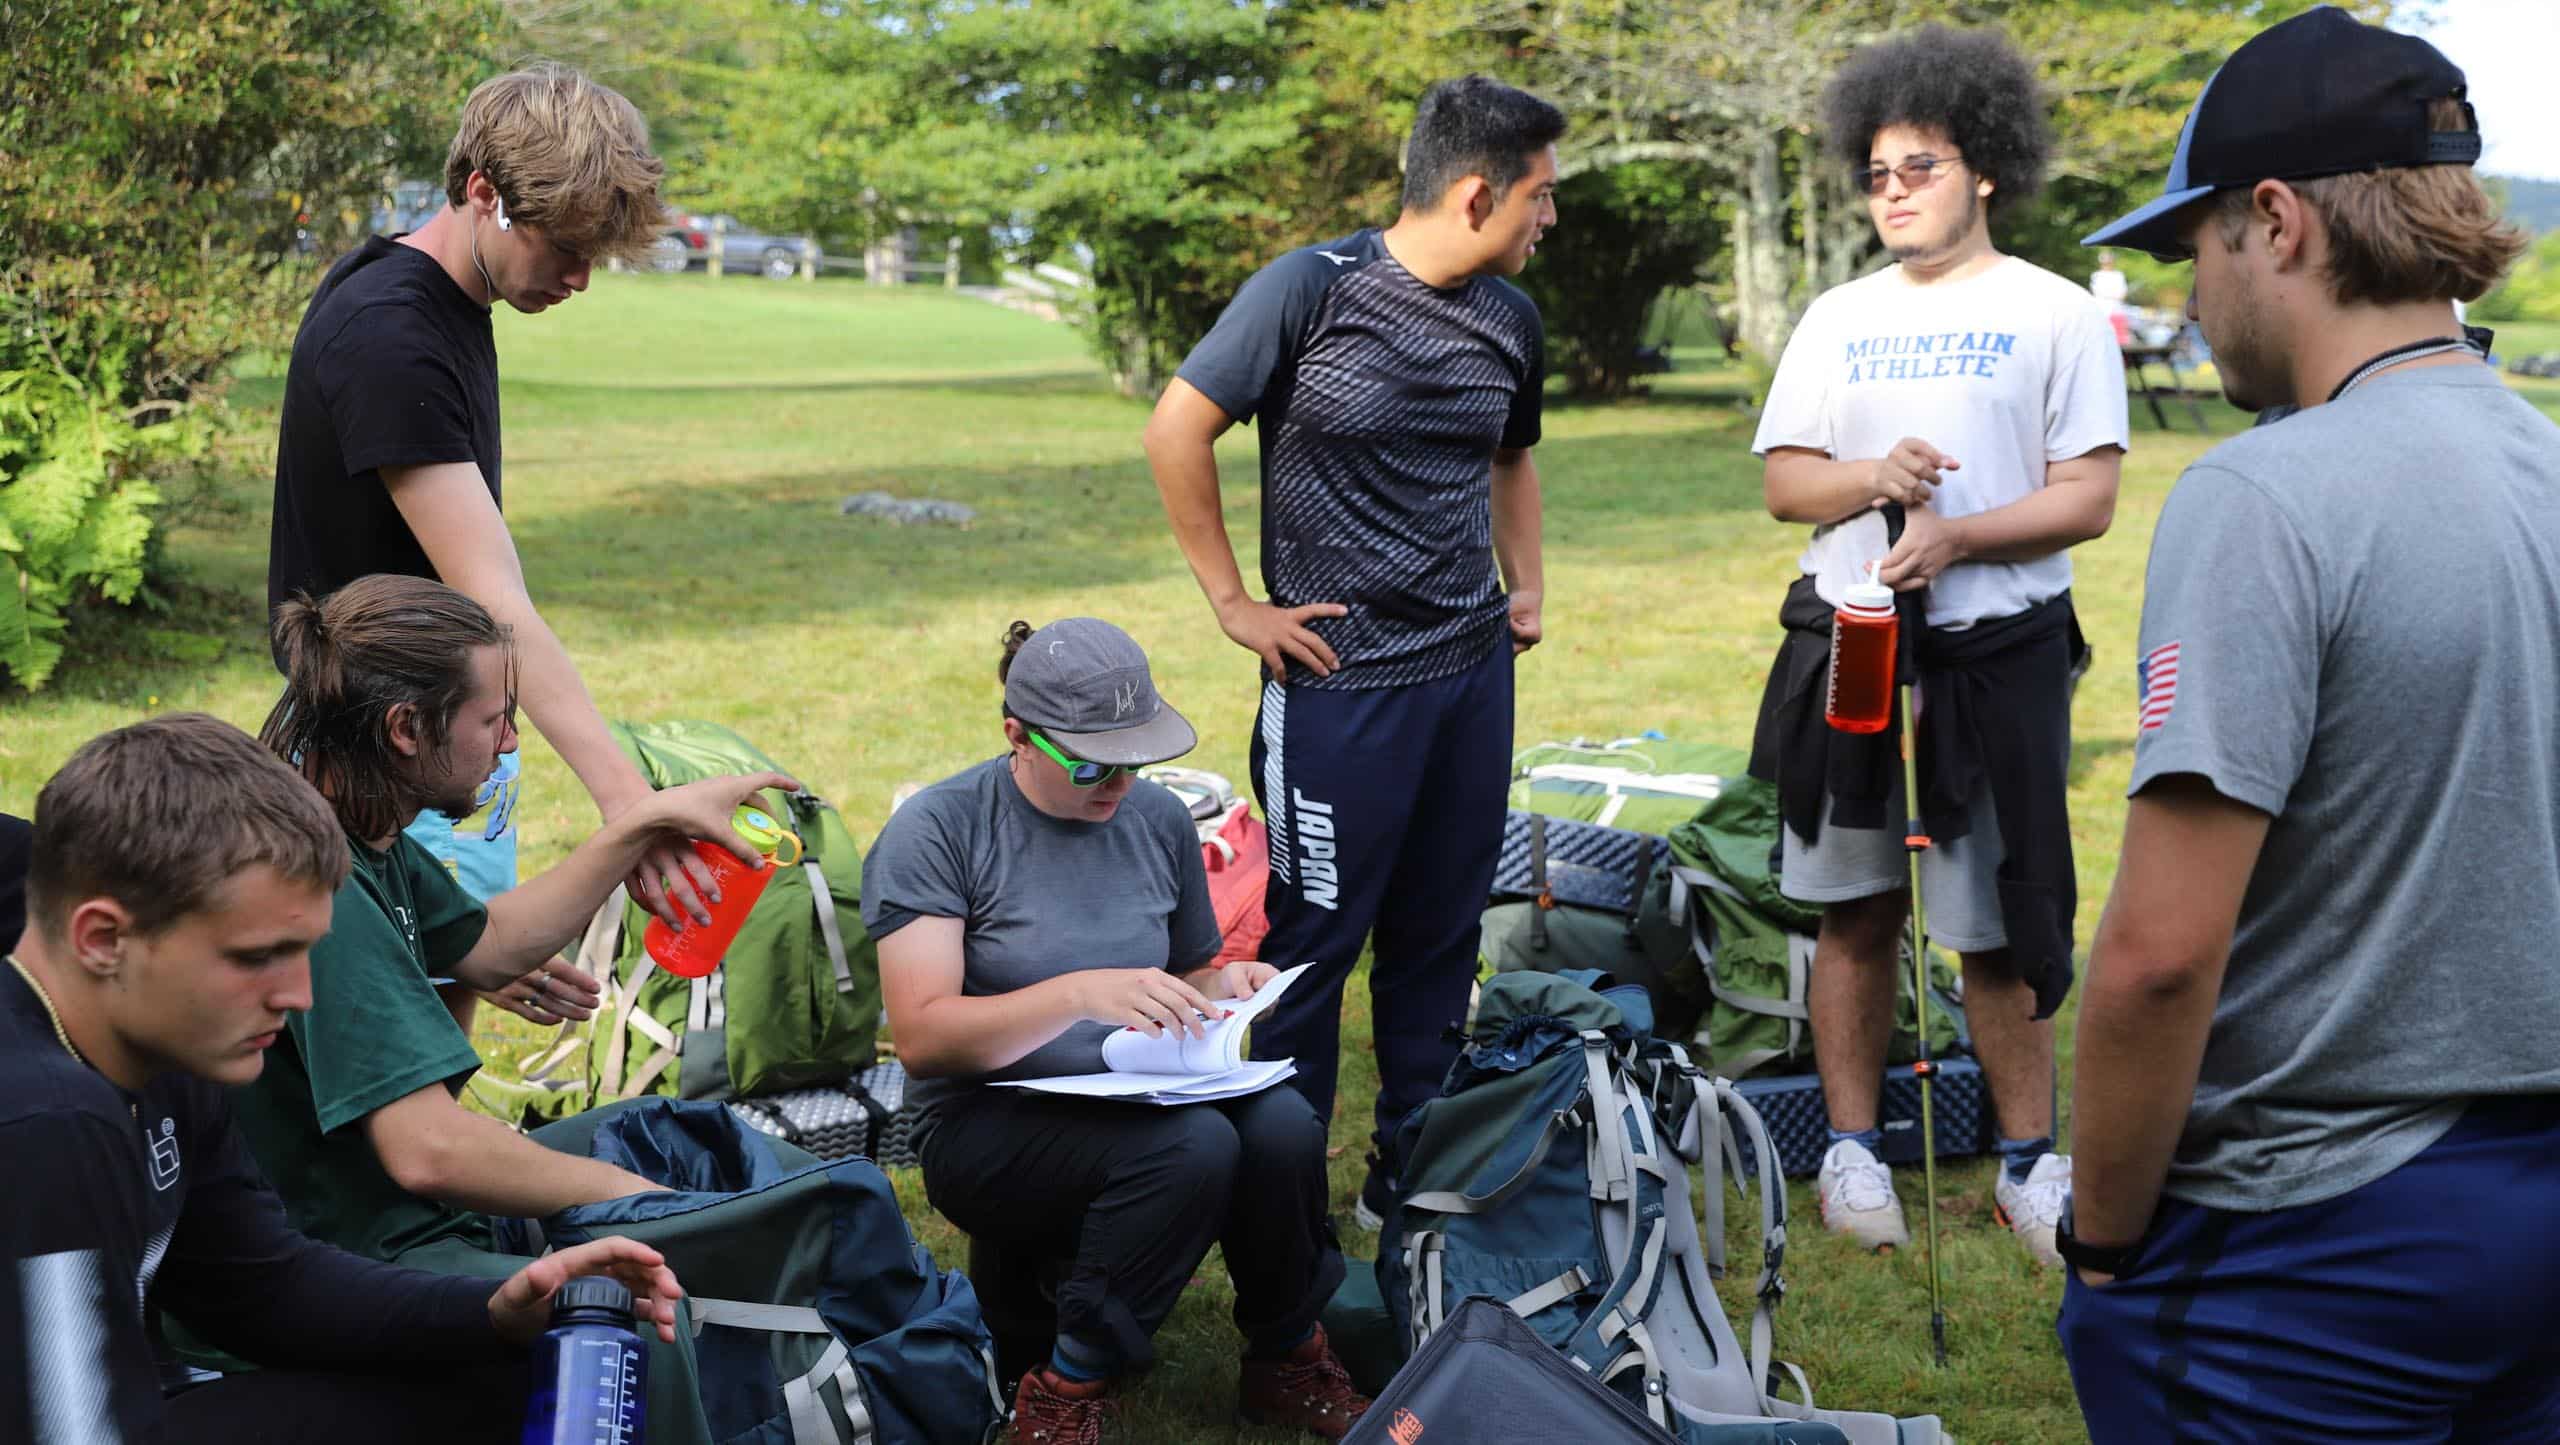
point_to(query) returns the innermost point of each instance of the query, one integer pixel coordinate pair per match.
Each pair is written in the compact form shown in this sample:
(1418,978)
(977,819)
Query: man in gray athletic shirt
(2318,1096)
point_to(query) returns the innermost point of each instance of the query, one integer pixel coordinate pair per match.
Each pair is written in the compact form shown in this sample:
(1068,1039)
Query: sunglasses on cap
(1079,772)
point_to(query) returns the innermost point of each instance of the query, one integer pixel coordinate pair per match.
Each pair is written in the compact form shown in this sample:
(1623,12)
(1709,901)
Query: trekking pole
(1915,841)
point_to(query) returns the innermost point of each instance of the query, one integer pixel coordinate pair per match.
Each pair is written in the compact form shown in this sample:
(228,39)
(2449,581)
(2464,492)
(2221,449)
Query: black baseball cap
(2320,95)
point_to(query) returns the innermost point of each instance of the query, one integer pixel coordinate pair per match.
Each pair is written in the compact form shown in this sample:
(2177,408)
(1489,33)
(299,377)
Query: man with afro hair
(1954,422)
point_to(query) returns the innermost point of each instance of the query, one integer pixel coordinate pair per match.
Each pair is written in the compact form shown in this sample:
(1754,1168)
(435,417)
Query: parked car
(743,248)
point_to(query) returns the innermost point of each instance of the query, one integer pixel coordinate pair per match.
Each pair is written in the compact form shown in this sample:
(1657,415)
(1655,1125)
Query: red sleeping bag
(1237,850)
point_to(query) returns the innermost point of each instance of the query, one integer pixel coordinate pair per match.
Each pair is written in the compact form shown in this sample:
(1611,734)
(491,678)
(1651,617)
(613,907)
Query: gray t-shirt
(2352,623)
(1040,896)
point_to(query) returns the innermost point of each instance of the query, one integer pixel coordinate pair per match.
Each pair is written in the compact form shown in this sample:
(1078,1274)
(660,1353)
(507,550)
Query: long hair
(375,644)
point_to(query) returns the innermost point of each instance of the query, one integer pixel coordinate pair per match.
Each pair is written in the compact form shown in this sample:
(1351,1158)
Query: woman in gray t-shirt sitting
(1027,907)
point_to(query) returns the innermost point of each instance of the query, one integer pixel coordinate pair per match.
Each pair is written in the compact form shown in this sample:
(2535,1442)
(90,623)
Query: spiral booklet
(1176,1068)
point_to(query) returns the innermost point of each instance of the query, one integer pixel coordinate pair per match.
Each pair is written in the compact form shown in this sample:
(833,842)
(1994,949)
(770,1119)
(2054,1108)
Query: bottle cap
(592,1299)
(777,843)
(1870,595)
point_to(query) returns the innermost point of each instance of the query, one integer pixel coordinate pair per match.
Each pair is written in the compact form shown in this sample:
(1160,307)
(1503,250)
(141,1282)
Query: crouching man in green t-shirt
(399,693)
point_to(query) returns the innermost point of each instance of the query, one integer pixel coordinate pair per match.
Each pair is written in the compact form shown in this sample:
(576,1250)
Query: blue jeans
(2424,1306)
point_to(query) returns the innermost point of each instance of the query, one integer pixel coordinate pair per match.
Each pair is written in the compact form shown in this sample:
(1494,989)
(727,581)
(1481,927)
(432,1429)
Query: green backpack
(797,1001)
(1724,953)
(1754,945)
(1649,785)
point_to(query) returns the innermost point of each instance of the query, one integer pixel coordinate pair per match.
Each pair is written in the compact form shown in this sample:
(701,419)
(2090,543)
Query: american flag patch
(2158,674)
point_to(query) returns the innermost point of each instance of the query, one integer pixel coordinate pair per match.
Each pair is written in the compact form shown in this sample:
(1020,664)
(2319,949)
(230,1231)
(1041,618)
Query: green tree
(161,162)
(2531,291)
(1166,147)
(1623,237)
(1733,86)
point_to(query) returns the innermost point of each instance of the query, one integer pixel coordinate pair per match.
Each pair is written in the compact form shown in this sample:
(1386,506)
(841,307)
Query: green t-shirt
(376,1031)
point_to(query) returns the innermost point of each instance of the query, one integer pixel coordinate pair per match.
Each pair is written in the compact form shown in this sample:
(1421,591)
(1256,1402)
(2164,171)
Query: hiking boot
(1377,1197)
(1050,1409)
(2033,1206)
(1858,1198)
(1308,1391)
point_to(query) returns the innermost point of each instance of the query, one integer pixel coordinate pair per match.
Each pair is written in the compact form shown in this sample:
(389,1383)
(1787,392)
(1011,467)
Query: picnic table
(2138,359)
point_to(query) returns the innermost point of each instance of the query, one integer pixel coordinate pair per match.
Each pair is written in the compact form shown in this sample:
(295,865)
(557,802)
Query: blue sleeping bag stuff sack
(820,1320)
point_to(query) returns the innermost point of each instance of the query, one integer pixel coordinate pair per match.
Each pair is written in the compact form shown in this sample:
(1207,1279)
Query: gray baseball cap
(1084,684)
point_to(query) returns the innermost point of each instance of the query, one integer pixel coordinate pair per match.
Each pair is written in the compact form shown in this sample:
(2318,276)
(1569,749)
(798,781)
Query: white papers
(1219,1049)
(1177,1068)
(1164,1088)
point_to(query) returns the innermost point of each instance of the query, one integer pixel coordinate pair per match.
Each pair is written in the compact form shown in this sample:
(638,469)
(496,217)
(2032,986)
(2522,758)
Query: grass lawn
(676,451)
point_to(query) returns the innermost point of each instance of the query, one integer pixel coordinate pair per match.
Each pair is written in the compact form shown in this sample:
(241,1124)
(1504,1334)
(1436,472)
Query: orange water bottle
(695,950)
(1863,632)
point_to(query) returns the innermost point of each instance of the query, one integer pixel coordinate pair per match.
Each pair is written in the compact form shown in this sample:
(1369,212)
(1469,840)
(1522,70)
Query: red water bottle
(1863,631)
(695,950)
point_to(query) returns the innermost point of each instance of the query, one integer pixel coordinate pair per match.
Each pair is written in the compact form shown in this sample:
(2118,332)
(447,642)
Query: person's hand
(553,992)
(673,882)
(521,1309)
(1908,473)
(1527,630)
(1279,635)
(1147,999)
(1930,545)
(670,880)
(1239,980)
(703,810)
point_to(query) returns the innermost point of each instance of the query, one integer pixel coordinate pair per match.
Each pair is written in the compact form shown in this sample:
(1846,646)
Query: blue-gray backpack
(819,1320)
(1552,1174)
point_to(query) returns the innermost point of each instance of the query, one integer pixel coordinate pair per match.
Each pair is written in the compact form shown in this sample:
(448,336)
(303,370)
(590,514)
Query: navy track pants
(1385,807)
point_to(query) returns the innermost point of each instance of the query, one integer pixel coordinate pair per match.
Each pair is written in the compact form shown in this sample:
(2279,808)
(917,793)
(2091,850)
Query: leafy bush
(1622,237)
(181,168)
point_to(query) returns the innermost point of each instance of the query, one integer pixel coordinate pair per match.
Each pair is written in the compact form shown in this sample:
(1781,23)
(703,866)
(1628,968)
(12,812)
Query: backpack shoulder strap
(827,929)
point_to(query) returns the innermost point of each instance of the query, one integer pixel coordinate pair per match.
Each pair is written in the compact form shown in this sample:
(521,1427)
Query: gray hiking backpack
(1552,1174)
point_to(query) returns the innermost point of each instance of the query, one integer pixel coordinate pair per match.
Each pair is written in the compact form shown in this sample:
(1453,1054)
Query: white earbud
(503,223)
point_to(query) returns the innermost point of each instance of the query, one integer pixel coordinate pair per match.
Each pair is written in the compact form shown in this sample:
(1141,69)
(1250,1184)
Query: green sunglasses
(1079,772)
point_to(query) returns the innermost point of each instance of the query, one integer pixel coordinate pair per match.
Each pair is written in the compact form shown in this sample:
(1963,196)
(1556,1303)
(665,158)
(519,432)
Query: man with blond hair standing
(389,454)
(2318,1105)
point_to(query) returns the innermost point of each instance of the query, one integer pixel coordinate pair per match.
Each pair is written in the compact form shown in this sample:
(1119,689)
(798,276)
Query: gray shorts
(1959,877)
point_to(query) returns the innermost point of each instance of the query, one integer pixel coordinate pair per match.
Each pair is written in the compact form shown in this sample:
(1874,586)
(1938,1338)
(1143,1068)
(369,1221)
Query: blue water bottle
(590,1373)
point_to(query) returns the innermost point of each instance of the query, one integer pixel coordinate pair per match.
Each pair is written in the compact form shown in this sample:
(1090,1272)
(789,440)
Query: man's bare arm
(436,1149)
(457,523)
(1181,442)
(1519,527)
(2155,974)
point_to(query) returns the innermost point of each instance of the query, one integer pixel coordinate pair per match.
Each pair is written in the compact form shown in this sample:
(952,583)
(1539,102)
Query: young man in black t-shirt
(389,457)
(180,876)
(1396,375)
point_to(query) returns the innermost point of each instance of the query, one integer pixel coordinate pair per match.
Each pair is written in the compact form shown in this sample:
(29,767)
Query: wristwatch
(2096,1258)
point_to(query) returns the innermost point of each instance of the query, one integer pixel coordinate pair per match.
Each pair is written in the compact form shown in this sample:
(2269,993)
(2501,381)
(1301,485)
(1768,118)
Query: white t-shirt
(2007,371)
(2109,286)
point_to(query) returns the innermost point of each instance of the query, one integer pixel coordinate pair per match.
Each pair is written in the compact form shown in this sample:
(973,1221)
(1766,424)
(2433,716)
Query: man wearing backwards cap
(2318,1102)
(1025,908)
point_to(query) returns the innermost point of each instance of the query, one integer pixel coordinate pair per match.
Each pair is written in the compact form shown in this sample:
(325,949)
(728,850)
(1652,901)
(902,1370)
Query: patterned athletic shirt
(1382,402)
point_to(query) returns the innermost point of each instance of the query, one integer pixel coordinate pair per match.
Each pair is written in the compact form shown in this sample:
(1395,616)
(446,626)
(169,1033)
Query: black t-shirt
(1382,401)
(17,840)
(119,1203)
(393,367)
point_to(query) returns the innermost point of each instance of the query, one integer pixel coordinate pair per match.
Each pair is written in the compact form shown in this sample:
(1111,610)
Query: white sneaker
(1858,1198)
(2033,1207)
